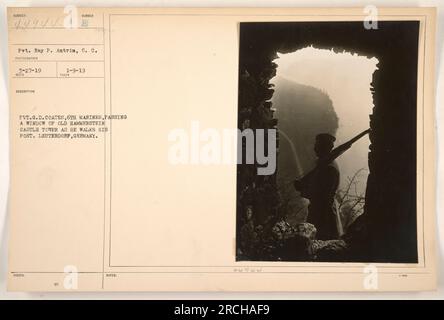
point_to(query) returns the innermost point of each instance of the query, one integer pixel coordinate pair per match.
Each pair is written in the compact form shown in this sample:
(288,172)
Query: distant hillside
(302,113)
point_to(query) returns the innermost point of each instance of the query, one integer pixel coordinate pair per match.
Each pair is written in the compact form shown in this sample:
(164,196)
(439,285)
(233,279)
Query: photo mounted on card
(222,149)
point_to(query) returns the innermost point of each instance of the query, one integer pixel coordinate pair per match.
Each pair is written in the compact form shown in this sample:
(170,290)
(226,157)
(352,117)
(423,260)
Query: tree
(350,201)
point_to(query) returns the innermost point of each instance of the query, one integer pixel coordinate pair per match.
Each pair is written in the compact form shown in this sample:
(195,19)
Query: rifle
(336,152)
(302,184)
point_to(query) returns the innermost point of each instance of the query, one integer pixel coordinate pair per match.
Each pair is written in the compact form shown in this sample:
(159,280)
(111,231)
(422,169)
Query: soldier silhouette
(319,186)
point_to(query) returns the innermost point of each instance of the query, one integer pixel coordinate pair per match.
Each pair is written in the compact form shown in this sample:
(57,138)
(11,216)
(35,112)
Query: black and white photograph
(342,100)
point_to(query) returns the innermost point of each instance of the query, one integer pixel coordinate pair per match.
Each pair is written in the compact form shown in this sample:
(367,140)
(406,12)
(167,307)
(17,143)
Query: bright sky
(346,78)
